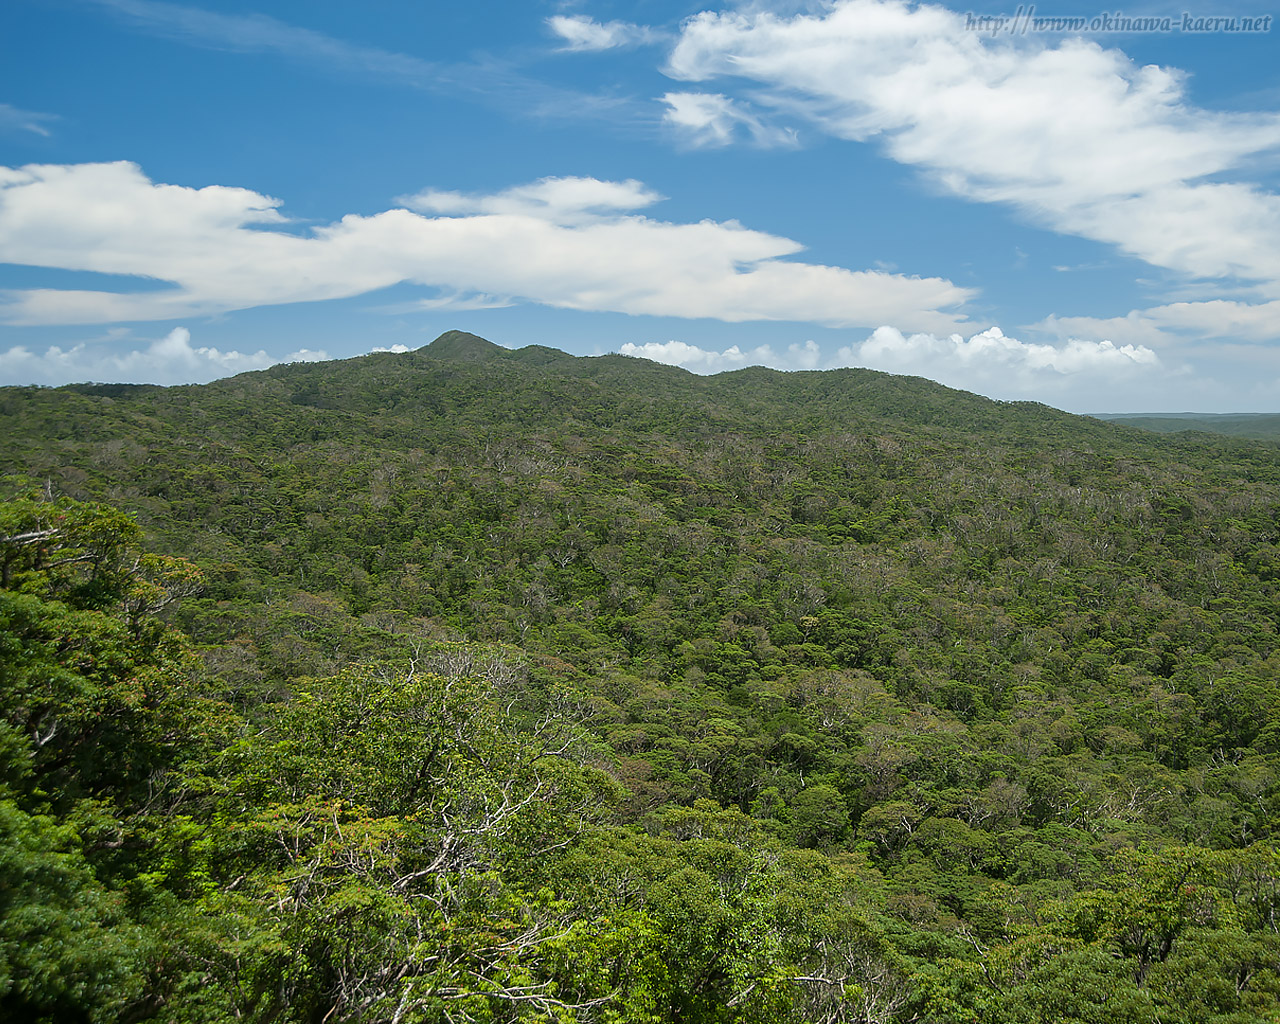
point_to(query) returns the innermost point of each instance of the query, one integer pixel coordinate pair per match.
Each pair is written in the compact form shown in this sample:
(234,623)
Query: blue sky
(1084,218)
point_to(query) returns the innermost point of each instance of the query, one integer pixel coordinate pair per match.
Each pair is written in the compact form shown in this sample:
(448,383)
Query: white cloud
(571,243)
(558,199)
(1076,136)
(14,119)
(1078,374)
(701,360)
(1134,329)
(1177,322)
(994,364)
(713,119)
(397,348)
(992,350)
(171,359)
(454,302)
(1222,318)
(586,35)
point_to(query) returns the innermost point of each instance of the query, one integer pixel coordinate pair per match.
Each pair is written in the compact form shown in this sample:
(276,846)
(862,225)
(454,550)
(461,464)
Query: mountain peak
(463,346)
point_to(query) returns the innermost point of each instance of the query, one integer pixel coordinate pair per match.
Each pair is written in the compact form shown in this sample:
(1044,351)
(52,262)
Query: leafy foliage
(511,686)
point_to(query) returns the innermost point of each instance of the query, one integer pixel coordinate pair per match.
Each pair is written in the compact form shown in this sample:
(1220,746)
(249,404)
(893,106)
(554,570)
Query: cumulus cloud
(713,119)
(1074,374)
(991,351)
(571,243)
(171,359)
(987,355)
(1079,374)
(701,360)
(1126,161)
(586,35)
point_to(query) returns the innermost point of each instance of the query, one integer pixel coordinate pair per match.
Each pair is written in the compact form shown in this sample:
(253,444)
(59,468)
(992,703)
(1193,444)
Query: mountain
(461,346)
(594,687)
(381,384)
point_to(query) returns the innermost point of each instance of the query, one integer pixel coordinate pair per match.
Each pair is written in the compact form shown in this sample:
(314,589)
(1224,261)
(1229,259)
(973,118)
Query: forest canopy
(470,684)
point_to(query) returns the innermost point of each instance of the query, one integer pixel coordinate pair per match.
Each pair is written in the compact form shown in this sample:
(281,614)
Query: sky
(1059,203)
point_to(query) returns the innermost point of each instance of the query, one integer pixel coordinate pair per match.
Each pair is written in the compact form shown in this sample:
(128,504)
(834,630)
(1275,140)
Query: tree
(103,690)
(386,829)
(67,948)
(97,702)
(820,816)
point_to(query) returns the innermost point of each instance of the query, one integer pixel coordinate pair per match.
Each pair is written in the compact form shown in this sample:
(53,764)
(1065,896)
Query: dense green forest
(1265,426)
(477,685)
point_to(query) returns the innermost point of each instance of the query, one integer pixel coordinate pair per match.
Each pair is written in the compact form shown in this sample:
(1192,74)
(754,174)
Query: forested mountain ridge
(851,697)
(460,371)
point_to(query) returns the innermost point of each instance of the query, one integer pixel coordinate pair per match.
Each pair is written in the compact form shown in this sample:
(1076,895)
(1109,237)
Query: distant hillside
(467,375)
(1263,426)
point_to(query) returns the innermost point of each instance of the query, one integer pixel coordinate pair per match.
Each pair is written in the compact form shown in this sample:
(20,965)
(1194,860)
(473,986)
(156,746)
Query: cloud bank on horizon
(984,361)
(171,359)
(1067,143)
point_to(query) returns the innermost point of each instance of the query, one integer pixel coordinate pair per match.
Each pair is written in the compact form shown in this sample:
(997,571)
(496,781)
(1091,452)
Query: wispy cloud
(449,302)
(586,35)
(571,243)
(490,80)
(260,33)
(713,119)
(1177,322)
(1127,161)
(559,199)
(14,119)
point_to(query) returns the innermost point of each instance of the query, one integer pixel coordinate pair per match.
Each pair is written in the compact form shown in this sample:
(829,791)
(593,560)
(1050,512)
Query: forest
(483,685)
